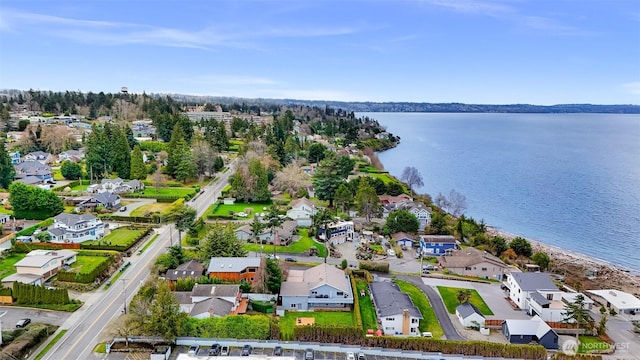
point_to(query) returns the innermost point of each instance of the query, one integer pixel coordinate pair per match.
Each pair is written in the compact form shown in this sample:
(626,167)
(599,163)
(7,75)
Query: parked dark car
(291,259)
(215,350)
(23,323)
(246,350)
(308,354)
(277,351)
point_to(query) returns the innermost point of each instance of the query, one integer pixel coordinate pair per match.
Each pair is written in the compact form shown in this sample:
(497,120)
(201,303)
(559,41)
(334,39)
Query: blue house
(15,157)
(532,330)
(435,245)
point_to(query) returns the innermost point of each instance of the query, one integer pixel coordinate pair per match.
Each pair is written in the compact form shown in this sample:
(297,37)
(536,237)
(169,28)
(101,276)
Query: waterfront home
(435,245)
(623,303)
(394,199)
(469,315)
(421,211)
(521,286)
(528,331)
(322,286)
(72,228)
(395,310)
(302,211)
(473,262)
(551,305)
(39,265)
(404,239)
(234,268)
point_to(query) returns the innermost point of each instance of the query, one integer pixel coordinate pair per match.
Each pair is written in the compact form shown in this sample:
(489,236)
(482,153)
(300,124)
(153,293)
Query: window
(549,296)
(339,293)
(252,270)
(467,268)
(293,305)
(389,328)
(313,292)
(390,319)
(413,321)
(484,269)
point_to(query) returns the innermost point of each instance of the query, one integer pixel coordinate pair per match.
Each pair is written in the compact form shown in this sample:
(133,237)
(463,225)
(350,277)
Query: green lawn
(298,247)
(591,343)
(121,236)
(430,321)
(323,318)
(150,208)
(168,191)
(86,264)
(448,295)
(223,209)
(6,264)
(5,211)
(367,311)
(80,188)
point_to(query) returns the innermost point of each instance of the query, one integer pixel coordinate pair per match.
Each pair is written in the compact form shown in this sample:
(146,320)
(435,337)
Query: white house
(39,156)
(302,211)
(421,212)
(72,228)
(210,300)
(339,232)
(550,305)
(469,315)
(623,303)
(71,155)
(39,265)
(322,286)
(522,284)
(396,312)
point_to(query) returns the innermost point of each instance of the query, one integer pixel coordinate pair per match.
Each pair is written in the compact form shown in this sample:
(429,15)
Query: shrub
(378,266)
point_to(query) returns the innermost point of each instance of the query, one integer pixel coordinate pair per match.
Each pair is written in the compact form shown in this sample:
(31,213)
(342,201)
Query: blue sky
(486,52)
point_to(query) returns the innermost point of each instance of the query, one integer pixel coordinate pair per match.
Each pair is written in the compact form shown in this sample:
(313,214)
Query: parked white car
(391,252)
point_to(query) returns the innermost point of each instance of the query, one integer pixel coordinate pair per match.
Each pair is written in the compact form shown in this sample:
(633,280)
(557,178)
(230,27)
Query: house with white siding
(395,310)
(72,228)
(322,286)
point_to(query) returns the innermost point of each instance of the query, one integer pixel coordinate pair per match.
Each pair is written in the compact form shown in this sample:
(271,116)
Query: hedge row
(24,248)
(85,278)
(166,183)
(382,267)
(159,198)
(36,294)
(356,303)
(27,341)
(261,306)
(230,327)
(31,229)
(133,219)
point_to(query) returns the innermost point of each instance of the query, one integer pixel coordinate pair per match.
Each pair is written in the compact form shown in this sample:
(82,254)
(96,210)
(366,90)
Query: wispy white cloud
(120,33)
(632,88)
(223,80)
(473,6)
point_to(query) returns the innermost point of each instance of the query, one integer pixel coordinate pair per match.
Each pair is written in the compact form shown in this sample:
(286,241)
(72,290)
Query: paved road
(438,307)
(103,306)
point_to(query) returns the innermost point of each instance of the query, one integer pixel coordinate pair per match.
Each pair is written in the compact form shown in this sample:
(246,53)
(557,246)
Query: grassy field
(86,264)
(6,265)
(80,188)
(149,208)
(121,236)
(325,318)
(368,313)
(168,191)
(298,247)
(448,295)
(223,209)
(591,343)
(430,321)
(53,341)
(5,211)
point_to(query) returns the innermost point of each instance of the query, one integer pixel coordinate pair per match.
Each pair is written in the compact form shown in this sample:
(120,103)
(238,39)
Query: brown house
(234,268)
(473,262)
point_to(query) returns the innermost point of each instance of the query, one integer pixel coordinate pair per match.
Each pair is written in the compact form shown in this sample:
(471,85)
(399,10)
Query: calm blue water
(568,180)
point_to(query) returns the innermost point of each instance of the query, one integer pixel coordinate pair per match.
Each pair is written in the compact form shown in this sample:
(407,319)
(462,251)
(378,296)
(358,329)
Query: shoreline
(576,265)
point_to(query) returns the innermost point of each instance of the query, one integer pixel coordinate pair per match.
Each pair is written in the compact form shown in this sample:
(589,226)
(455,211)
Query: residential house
(72,228)
(39,265)
(436,245)
(396,312)
(421,211)
(339,232)
(551,305)
(192,269)
(234,268)
(532,330)
(39,156)
(473,262)
(391,199)
(469,315)
(404,239)
(522,284)
(322,286)
(107,200)
(4,219)
(284,235)
(623,303)
(245,233)
(34,172)
(210,300)
(116,185)
(302,210)
(15,157)
(71,155)
(309,169)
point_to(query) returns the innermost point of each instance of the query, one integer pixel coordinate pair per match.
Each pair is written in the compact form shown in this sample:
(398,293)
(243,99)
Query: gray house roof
(73,219)
(232,264)
(533,281)
(539,298)
(534,326)
(227,290)
(389,300)
(32,168)
(106,197)
(466,309)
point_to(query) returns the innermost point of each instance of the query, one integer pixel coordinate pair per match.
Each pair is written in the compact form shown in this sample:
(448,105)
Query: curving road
(102,306)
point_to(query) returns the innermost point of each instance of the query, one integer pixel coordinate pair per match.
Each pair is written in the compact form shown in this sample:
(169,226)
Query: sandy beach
(590,273)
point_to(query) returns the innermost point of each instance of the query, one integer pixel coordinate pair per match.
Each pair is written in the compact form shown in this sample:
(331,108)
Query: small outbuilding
(469,315)
(534,330)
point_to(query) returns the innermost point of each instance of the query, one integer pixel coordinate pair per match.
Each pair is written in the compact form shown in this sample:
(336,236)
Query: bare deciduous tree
(291,179)
(55,137)
(204,157)
(412,177)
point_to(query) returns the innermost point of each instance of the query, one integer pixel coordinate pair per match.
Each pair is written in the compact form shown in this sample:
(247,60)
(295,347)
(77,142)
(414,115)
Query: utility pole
(124,291)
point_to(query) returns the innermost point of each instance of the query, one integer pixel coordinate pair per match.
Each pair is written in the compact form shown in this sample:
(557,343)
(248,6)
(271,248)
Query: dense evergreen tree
(120,153)
(172,150)
(167,320)
(367,200)
(221,241)
(33,203)
(402,221)
(71,170)
(316,152)
(343,197)
(138,168)
(274,276)
(521,246)
(98,151)
(184,166)
(7,171)
(327,179)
